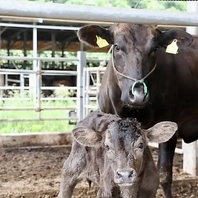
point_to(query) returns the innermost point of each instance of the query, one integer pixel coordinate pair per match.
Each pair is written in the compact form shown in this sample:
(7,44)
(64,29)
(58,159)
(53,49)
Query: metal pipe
(50,27)
(3,30)
(35,109)
(37,58)
(46,72)
(32,119)
(93,14)
(32,79)
(66,99)
(43,88)
(38,89)
(81,64)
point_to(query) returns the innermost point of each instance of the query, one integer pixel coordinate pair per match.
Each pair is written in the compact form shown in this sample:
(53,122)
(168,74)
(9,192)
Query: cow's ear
(86,136)
(94,36)
(161,132)
(183,38)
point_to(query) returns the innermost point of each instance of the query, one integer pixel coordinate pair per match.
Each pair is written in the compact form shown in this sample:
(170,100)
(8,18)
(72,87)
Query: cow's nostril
(130,94)
(130,174)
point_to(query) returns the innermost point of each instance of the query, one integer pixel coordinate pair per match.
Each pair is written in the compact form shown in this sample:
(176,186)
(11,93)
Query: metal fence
(86,99)
(35,85)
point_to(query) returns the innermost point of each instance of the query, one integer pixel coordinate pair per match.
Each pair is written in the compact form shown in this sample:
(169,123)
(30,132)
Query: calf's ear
(184,39)
(161,132)
(86,136)
(93,35)
(98,121)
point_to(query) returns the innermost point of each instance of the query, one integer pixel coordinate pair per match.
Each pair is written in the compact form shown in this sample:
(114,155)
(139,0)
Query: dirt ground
(35,173)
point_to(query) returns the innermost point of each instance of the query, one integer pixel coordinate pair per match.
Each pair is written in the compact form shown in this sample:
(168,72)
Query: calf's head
(123,143)
(133,55)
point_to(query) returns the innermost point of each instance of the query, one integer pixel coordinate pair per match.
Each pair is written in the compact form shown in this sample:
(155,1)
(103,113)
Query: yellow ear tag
(172,48)
(101,42)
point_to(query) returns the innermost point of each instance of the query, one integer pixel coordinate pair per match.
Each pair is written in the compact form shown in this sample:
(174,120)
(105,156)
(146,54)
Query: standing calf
(113,153)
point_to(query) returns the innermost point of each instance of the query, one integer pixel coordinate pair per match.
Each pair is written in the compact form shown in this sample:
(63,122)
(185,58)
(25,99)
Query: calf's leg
(165,164)
(72,168)
(109,191)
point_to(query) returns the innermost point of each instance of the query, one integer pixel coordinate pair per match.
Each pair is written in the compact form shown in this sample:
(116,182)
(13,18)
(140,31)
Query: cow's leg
(105,193)
(165,164)
(72,168)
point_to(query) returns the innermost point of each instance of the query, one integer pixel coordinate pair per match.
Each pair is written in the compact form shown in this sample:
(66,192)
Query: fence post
(22,85)
(32,79)
(38,89)
(86,92)
(1,84)
(190,150)
(80,76)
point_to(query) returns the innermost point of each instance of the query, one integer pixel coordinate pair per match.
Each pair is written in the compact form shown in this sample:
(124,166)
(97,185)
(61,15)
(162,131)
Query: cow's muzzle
(125,177)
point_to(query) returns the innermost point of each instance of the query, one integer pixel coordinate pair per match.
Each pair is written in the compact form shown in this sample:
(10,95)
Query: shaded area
(18,38)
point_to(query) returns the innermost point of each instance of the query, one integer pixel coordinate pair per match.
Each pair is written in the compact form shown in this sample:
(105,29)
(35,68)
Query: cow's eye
(141,145)
(153,50)
(106,147)
(117,48)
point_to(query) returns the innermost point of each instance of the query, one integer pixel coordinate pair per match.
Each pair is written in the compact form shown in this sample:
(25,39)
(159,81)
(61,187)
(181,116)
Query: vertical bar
(39,79)
(190,150)
(6,80)
(33,76)
(84,92)
(81,64)
(98,84)
(8,51)
(53,37)
(87,89)
(1,84)
(22,84)
(25,48)
(63,44)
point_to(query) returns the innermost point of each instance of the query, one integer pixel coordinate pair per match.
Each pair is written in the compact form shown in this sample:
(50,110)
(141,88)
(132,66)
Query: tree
(142,4)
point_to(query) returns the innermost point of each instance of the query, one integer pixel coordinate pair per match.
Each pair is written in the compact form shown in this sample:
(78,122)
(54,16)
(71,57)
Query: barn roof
(64,40)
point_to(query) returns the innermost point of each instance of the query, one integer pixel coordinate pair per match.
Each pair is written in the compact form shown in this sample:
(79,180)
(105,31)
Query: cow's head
(134,54)
(123,144)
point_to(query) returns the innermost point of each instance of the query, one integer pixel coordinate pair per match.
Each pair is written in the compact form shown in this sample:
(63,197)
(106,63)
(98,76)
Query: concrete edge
(35,139)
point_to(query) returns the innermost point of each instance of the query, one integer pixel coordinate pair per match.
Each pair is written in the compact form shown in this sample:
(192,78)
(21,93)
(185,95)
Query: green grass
(34,126)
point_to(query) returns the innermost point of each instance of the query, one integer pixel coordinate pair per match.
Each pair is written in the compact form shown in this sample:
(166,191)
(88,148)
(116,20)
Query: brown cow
(143,81)
(113,153)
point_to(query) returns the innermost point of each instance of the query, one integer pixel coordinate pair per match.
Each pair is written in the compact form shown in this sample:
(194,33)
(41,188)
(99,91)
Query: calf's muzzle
(125,176)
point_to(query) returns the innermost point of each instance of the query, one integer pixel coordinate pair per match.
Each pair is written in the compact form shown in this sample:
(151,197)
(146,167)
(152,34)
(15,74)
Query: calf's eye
(141,145)
(106,147)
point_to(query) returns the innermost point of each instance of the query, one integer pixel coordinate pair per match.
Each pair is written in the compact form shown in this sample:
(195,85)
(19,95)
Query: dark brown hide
(172,86)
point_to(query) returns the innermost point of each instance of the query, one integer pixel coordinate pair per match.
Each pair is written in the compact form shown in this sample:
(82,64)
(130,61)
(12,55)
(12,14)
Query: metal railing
(35,86)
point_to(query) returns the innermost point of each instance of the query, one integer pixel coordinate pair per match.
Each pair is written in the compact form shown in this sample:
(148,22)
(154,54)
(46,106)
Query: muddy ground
(35,173)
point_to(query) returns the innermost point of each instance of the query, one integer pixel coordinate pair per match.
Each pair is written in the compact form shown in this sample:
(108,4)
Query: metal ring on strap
(139,82)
